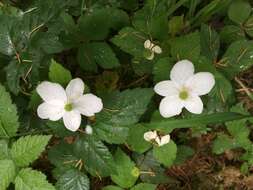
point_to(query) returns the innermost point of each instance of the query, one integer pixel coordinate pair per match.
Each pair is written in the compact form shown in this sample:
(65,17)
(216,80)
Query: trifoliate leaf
(29,179)
(8,115)
(127,173)
(59,74)
(7,173)
(166,154)
(27,149)
(73,180)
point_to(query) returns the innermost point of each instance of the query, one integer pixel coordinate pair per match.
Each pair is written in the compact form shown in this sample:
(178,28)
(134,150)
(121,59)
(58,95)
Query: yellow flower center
(183,95)
(68,107)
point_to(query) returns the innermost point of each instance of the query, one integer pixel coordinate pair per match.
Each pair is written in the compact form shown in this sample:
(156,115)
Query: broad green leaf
(238,57)
(161,69)
(86,59)
(59,74)
(166,154)
(121,109)
(4,150)
(231,33)
(142,186)
(28,179)
(135,139)
(6,43)
(186,47)
(183,153)
(248,26)
(176,24)
(239,11)
(222,143)
(131,41)
(8,115)
(7,173)
(73,180)
(127,173)
(28,148)
(170,124)
(210,42)
(96,156)
(112,187)
(103,55)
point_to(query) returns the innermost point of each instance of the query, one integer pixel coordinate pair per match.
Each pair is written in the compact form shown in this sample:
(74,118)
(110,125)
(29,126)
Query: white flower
(153,136)
(184,89)
(88,130)
(68,104)
(153,49)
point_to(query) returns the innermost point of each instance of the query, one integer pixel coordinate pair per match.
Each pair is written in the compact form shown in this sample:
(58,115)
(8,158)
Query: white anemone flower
(153,49)
(184,89)
(153,136)
(68,104)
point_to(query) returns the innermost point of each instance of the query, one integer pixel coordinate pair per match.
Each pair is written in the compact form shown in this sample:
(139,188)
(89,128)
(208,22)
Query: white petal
(72,120)
(158,141)
(151,57)
(157,49)
(75,89)
(147,44)
(150,135)
(182,71)
(52,93)
(88,105)
(88,130)
(170,106)
(165,140)
(201,83)
(194,104)
(51,112)
(166,88)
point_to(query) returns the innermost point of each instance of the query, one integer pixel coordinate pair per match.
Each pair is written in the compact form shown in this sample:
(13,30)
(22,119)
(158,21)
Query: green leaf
(238,57)
(122,109)
(248,26)
(73,180)
(112,187)
(231,33)
(222,143)
(127,173)
(86,59)
(27,149)
(29,179)
(146,186)
(4,150)
(7,173)
(59,74)
(186,47)
(8,115)
(166,154)
(168,125)
(161,69)
(95,25)
(103,55)
(239,11)
(183,153)
(176,24)
(96,156)
(210,42)
(131,41)
(135,139)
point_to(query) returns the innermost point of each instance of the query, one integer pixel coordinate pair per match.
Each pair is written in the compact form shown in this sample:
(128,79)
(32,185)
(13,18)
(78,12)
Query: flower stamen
(183,95)
(68,107)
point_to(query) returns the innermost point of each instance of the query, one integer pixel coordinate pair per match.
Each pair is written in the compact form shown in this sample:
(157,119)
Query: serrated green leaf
(131,41)
(122,109)
(103,55)
(7,173)
(170,124)
(186,47)
(8,115)
(59,74)
(96,156)
(73,180)
(4,150)
(28,179)
(222,143)
(239,11)
(27,149)
(135,139)
(142,186)
(166,154)
(127,173)
(238,57)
